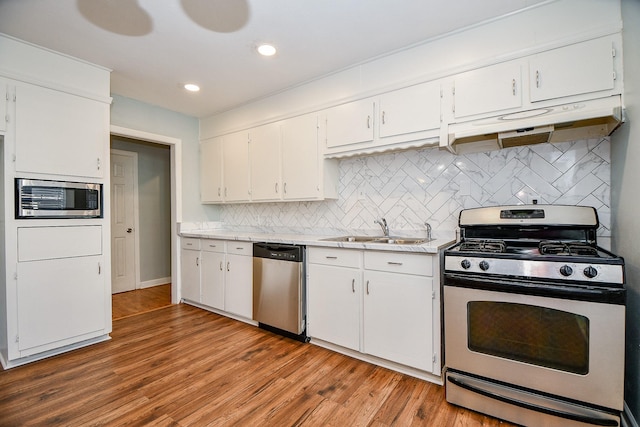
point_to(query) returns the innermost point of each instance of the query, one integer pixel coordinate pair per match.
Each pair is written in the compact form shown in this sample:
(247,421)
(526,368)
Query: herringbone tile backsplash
(430,185)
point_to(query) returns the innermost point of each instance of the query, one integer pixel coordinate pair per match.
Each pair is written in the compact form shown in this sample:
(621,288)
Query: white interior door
(123,232)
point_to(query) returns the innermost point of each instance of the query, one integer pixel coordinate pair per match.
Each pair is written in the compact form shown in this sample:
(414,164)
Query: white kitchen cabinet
(350,123)
(334,294)
(60,133)
(377,303)
(211,185)
(265,159)
(190,267)
(397,318)
(4,101)
(572,70)
(238,288)
(488,89)
(58,300)
(212,273)
(306,175)
(410,110)
(235,154)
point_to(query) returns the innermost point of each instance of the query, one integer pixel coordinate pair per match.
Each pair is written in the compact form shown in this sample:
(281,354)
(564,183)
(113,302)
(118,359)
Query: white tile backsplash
(431,185)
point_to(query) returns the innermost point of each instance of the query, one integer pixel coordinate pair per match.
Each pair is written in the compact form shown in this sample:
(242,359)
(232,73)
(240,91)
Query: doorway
(172,210)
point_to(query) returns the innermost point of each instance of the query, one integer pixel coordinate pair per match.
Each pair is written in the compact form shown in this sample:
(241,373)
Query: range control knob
(484,265)
(566,271)
(465,263)
(590,272)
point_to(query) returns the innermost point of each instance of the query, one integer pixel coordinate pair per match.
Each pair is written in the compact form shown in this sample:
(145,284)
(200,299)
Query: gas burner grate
(567,248)
(483,246)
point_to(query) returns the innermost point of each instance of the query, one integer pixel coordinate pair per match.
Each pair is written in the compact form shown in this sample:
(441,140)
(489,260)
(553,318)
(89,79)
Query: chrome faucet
(426,224)
(383,224)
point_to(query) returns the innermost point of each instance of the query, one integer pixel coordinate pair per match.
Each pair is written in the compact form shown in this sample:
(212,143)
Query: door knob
(129,230)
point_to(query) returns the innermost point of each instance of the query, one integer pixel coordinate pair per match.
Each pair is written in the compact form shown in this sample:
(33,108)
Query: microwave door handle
(549,411)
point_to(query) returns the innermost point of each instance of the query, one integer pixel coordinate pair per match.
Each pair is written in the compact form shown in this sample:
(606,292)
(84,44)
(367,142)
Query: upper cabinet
(4,100)
(390,119)
(264,152)
(489,89)
(572,70)
(224,169)
(60,133)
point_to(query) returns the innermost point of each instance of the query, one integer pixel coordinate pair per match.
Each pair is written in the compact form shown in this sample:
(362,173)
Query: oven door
(565,347)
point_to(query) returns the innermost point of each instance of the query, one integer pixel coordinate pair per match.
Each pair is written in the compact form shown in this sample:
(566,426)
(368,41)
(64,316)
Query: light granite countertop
(432,246)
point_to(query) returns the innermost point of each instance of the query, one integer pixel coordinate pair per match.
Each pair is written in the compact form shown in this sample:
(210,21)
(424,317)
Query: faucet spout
(426,224)
(383,224)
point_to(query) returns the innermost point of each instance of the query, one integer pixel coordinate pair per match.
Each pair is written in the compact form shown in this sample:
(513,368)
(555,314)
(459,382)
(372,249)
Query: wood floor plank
(182,366)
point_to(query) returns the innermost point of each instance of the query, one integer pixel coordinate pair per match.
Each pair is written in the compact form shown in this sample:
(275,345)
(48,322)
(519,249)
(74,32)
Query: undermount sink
(373,239)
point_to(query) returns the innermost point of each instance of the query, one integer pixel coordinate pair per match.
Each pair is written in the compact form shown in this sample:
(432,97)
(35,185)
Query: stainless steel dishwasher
(279,291)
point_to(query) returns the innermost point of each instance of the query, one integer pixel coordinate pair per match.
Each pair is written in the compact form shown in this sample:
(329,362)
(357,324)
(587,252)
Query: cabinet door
(59,133)
(59,299)
(300,159)
(487,90)
(4,100)
(211,171)
(238,290)
(350,123)
(334,308)
(190,264)
(264,152)
(397,318)
(409,110)
(235,153)
(572,70)
(213,268)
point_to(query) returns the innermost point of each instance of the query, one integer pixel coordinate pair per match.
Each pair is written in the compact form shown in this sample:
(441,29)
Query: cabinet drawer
(338,257)
(39,243)
(209,245)
(398,262)
(240,248)
(190,243)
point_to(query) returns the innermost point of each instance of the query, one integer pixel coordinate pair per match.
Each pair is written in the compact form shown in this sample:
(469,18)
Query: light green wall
(625,176)
(133,114)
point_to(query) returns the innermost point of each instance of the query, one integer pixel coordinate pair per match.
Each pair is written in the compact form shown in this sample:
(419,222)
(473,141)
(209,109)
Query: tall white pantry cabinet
(55,274)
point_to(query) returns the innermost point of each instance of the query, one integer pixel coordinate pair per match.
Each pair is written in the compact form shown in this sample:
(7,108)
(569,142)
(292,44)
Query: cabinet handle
(276,188)
(225,191)
(220,265)
(368,122)
(367,287)
(98,163)
(331,257)
(513,87)
(240,248)
(285,188)
(353,285)
(228,266)
(219,192)
(537,78)
(197,261)
(394,263)
(383,121)
(99,268)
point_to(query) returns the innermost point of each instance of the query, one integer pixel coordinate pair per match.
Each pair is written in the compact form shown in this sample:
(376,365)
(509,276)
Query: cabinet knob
(129,230)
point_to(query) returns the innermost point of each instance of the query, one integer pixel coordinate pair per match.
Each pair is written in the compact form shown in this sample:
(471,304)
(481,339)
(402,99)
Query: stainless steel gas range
(534,317)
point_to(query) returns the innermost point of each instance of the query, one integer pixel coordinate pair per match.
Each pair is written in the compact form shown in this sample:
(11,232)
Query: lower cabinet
(218,274)
(377,303)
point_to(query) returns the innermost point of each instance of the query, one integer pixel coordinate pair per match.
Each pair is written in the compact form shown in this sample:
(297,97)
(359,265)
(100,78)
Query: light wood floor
(130,303)
(182,366)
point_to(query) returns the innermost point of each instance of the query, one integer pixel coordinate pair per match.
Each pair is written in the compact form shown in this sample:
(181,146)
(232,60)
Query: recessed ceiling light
(266,50)
(192,87)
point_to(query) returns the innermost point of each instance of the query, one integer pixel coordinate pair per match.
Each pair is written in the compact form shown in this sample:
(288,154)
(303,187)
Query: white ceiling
(154,46)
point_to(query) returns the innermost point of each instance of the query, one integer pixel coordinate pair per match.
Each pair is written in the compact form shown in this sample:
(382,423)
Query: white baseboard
(627,417)
(155,282)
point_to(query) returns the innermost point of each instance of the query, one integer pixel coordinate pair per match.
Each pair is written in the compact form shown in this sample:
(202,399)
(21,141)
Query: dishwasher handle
(279,251)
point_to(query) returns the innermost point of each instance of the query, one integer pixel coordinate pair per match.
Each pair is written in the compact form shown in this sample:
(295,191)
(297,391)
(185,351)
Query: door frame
(136,215)
(175,145)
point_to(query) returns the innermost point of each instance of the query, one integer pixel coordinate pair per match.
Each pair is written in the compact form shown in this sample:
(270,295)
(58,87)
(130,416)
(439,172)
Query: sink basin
(373,239)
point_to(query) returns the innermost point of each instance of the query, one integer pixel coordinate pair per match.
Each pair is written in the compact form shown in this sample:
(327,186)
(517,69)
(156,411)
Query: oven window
(531,334)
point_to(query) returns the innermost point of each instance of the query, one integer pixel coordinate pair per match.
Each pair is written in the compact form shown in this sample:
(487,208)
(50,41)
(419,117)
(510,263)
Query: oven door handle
(549,411)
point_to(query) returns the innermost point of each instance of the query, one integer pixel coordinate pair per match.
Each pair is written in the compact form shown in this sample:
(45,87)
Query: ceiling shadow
(221,16)
(123,17)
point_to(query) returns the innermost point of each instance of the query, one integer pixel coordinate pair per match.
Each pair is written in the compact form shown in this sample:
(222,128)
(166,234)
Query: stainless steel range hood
(567,122)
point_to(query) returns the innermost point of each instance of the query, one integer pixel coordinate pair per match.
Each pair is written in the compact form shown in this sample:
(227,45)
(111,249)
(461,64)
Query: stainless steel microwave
(38,198)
